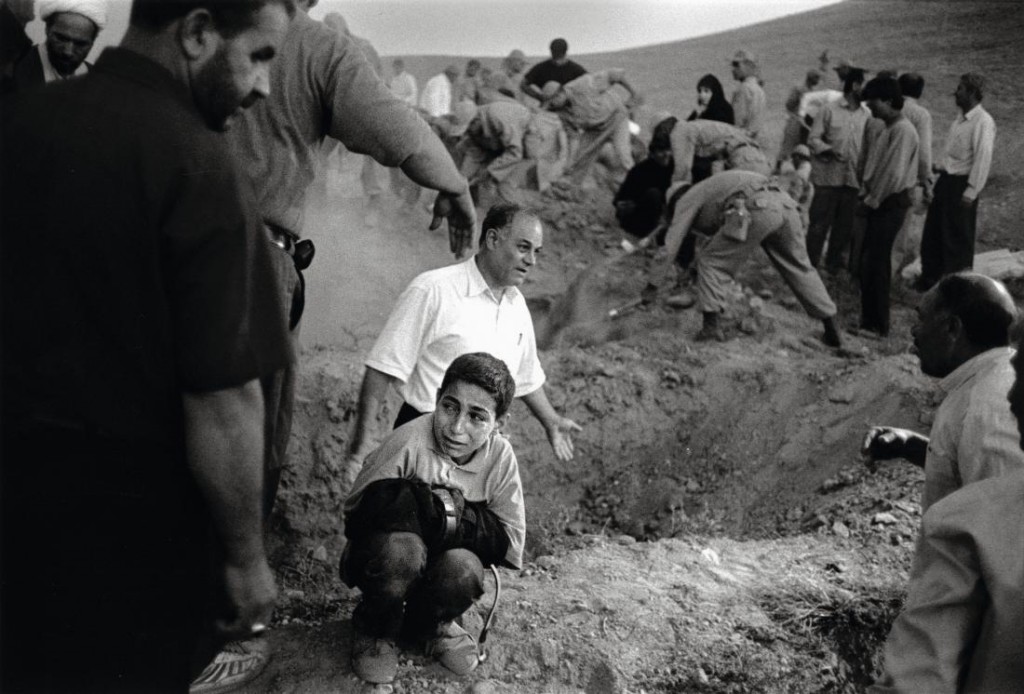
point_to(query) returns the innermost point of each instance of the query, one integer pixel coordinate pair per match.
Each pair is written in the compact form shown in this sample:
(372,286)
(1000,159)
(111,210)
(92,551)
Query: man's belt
(450,517)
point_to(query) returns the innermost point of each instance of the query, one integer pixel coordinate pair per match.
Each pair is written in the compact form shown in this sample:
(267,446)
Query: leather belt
(449,510)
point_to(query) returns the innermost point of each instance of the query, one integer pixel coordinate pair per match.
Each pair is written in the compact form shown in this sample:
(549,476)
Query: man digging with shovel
(741,210)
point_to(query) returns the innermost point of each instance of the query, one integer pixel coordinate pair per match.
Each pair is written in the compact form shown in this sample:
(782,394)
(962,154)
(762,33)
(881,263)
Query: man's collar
(970,368)
(476,461)
(477,285)
(127,64)
(974,112)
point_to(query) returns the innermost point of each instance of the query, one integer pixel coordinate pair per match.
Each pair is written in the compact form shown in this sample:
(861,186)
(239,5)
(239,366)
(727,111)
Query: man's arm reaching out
(558,428)
(432,167)
(225,449)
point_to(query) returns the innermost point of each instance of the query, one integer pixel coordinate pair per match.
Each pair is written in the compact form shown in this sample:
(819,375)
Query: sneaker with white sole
(453,647)
(374,660)
(238,663)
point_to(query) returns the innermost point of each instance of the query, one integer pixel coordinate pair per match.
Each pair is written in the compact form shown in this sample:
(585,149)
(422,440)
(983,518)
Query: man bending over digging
(439,499)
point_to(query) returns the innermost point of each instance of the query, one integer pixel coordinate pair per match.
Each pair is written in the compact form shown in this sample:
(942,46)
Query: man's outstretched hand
(886,443)
(458,209)
(559,435)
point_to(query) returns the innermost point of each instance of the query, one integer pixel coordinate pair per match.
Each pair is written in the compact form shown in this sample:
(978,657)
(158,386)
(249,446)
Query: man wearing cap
(748,101)
(797,126)
(492,147)
(947,244)
(835,143)
(709,139)
(71,29)
(591,105)
(558,69)
(741,210)
(436,97)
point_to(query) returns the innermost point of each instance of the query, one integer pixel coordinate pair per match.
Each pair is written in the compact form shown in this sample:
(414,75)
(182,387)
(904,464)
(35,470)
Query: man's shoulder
(445,275)
(967,508)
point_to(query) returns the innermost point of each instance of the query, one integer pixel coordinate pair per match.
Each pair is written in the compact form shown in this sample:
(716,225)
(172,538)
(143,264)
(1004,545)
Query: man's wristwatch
(450,517)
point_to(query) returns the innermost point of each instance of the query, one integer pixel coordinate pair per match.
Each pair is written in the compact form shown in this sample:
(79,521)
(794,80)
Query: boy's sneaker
(453,647)
(238,663)
(374,660)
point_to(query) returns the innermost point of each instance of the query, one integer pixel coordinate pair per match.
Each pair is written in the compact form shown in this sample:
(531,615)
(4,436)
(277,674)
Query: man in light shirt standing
(888,164)
(947,244)
(402,84)
(471,306)
(908,241)
(748,101)
(961,336)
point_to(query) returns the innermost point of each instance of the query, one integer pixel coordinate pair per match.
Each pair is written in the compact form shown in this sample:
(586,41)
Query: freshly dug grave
(748,448)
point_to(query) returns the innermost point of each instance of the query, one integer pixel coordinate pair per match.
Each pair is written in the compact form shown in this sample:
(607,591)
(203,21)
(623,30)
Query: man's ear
(502,421)
(198,34)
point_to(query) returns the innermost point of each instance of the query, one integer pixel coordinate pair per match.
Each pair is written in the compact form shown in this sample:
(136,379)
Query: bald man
(962,337)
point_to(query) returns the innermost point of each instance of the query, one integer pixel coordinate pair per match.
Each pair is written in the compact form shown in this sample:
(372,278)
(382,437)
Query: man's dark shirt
(134,264)
(645,176)
(14,42)
(548,71)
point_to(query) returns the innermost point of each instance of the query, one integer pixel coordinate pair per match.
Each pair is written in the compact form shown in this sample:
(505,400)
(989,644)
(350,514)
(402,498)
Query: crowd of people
(152,214)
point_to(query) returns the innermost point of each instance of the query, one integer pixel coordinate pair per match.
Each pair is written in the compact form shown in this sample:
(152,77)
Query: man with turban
(71,29)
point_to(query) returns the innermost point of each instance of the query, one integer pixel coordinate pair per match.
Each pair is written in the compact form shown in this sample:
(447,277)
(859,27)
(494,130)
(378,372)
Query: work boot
(238,663)
(453,647)
(711,330)
(832,336)
(374,660)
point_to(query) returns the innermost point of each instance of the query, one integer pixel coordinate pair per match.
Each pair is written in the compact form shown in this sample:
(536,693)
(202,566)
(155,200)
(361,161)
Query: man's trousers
(947,243)
(881,227)
(831,218)
(775,226)
(403,586)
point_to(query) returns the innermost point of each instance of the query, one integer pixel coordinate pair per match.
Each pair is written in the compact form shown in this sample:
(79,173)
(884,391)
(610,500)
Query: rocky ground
(716,530)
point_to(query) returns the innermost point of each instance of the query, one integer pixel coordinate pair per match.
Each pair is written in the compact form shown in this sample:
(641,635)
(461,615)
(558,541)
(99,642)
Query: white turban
(94,10)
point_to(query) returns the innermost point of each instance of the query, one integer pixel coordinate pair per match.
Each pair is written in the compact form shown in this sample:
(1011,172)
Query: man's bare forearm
(432,167)
(225,449)
(372,394)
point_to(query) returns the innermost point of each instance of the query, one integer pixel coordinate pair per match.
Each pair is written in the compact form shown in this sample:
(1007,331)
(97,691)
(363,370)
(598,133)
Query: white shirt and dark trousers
(947,243)
(443,314)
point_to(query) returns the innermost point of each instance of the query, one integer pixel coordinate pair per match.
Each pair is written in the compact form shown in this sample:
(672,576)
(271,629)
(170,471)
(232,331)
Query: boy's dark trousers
(882,226)
(403,585)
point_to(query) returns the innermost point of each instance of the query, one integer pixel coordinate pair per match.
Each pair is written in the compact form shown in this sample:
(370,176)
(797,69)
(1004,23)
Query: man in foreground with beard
(138,316)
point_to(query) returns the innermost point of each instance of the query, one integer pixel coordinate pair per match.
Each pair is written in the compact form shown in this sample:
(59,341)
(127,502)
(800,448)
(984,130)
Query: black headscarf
(718,108)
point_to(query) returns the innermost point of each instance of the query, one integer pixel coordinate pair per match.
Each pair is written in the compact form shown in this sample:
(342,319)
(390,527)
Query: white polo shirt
(446,313)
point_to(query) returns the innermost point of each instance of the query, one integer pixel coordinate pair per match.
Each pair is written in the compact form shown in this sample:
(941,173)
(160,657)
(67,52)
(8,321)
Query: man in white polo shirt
(473,306)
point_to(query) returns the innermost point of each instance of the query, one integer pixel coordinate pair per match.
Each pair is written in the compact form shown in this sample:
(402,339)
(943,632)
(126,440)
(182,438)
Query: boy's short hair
(883,89)
(487,372)
(911,84)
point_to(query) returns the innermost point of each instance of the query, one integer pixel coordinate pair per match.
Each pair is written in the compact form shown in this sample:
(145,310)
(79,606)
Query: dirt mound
(747,447)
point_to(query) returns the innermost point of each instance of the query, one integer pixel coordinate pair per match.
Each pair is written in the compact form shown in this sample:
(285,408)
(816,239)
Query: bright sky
(490,28)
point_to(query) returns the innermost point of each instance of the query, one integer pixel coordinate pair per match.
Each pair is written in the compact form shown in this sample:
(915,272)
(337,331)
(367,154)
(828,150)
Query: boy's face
(464,419)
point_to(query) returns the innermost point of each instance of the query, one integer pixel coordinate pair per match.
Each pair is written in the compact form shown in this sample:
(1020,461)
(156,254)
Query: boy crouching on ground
(435,503)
